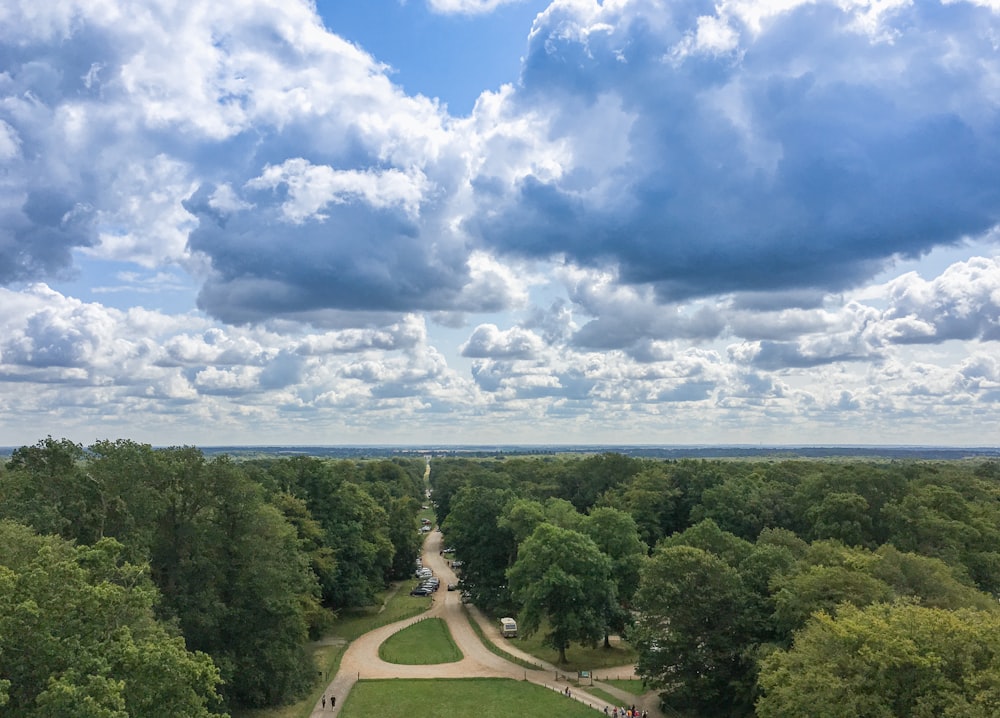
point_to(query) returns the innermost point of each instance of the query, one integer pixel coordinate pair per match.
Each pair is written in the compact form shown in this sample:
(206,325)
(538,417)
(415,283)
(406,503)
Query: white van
(508,627)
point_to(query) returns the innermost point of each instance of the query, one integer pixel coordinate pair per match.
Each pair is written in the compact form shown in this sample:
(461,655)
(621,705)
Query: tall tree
(45,488)
(617,536)
(690,632)
(562,577)
(474,527)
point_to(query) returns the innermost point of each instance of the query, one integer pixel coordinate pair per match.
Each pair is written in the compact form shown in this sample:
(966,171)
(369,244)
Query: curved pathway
(361,660)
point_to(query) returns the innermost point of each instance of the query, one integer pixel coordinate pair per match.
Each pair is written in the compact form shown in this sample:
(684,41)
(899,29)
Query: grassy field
(425,642)
(578,658)
(480,697)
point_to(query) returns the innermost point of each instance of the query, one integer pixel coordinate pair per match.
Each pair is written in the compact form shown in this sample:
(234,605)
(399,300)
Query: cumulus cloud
(962,303)
(794,148)
(689,151)
(488,341)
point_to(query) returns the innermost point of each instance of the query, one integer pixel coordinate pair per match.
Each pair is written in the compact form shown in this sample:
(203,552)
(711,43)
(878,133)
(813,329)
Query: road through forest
(361,659)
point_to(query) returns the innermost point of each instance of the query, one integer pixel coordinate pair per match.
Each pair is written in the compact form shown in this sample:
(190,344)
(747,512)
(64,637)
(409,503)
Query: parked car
(422,591)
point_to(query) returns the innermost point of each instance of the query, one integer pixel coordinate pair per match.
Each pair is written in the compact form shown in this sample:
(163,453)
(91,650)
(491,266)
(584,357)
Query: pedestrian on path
(324,702)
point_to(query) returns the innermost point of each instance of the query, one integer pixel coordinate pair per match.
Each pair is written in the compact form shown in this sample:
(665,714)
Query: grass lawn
(597,692)
(578,658)
(633,686)
(425,642)
(400,605)
(479,697)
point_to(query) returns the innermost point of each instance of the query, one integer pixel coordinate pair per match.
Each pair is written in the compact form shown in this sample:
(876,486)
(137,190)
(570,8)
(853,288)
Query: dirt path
(361,660)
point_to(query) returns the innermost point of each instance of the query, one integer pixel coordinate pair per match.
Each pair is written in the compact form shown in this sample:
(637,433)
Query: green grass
(578,658)
(630,685)
(598,693)
(425,642)
(400,605)
(494,648)
(450,698)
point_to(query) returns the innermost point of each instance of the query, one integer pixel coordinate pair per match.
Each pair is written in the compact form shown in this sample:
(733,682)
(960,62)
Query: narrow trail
(361,660)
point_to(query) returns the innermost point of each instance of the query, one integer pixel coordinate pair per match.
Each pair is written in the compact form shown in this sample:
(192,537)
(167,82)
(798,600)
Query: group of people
(625,712)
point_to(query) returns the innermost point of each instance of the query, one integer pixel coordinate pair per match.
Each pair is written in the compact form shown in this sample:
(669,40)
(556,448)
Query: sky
(436,222)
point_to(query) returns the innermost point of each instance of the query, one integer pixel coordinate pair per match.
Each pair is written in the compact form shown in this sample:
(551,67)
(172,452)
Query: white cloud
(10,143)
(311,188)
(962,303)
(467,7)
(488,341)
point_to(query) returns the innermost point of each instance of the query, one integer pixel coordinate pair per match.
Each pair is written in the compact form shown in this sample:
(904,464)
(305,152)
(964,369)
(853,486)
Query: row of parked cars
(429,583)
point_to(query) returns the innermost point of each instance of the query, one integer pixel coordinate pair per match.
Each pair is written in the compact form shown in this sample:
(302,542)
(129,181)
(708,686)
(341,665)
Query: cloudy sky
(500,221)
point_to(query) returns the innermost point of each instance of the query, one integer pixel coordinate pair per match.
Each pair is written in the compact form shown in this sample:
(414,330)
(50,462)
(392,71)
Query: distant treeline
(140,582)
(780,589)
(940,453)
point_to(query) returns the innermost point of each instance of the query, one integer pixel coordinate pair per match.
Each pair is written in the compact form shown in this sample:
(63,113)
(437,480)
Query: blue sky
(478,221)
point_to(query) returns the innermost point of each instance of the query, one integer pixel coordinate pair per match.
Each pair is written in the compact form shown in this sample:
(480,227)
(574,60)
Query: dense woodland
(160,582)
(779,589)
(142,582)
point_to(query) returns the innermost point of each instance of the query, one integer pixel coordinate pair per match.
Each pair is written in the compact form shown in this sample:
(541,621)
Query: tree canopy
(562,577)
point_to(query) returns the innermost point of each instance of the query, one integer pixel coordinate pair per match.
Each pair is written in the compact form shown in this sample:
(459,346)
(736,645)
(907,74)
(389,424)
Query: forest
(158,582)
(779,589)
(161,582)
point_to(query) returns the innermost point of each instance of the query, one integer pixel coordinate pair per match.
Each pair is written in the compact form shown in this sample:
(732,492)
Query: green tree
(563,577)
(226,560)
(841,515)
(357,528)
(582,482)
(886,661)
(651,499)
(831,574)
(744,505)
(928,581)
(403,534)
(616,534)
(44,487)
(78,636)
(474,527)
(707,536)
(690,632)
(521,517)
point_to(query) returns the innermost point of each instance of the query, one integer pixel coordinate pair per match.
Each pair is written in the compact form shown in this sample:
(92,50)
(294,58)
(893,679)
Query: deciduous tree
(563,578)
